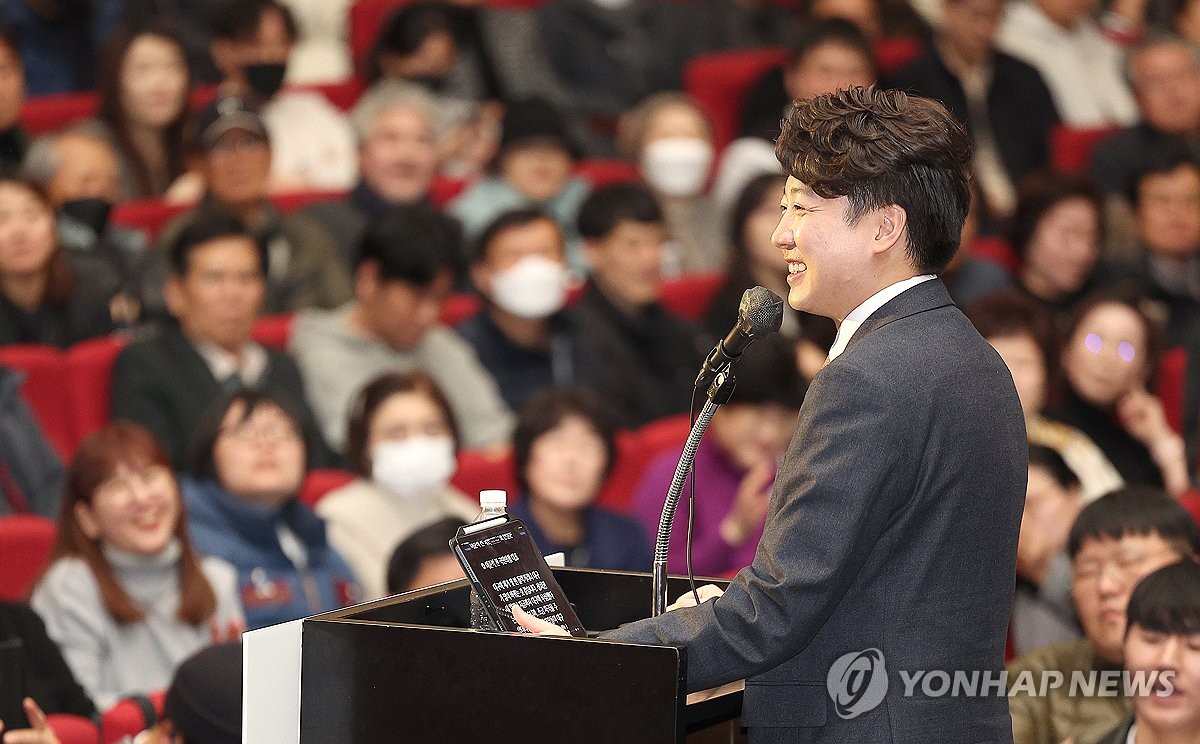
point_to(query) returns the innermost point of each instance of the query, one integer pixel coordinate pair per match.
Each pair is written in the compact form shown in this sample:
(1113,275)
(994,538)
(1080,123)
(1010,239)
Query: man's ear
(481,277)
(893,226)
(591,252)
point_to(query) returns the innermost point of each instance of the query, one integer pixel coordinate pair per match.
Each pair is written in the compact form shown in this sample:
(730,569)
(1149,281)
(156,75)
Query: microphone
(759,313)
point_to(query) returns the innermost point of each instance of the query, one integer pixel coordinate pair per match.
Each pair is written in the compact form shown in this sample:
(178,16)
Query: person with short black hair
(14,141)
(564,447)
(408,262)
(893,524)
(522,335)
(214,293)
(1162,636)
(312,143)
(247,461)
(1113,544)
(424,558)
(643,358)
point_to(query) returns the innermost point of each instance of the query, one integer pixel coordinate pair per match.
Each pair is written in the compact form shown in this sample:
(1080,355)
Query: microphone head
(760,311)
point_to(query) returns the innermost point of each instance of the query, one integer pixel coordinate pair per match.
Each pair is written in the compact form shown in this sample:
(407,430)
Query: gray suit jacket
(893,526)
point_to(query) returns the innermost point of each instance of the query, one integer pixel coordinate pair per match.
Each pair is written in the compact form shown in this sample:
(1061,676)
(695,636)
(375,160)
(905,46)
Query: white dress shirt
(870,305)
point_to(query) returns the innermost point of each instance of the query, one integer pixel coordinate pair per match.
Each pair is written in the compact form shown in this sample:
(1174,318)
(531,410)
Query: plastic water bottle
(492,504)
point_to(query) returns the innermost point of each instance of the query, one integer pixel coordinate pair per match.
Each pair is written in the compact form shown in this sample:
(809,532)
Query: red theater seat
(274,331)
(25,541)
(47,113)
(321,481)
(458,307)
(635,452)
(689,296)
(600,172)
(45,372)
(127,719)
(478,471)
(720,81)
(72,729)
(1171,385)
(148,215)
(1071,147)
(89,382)
(892,55)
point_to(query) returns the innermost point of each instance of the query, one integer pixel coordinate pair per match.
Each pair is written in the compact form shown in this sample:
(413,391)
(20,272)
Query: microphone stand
(718,394)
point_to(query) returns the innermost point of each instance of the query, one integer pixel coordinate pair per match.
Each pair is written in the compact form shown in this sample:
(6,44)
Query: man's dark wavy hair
(879,147)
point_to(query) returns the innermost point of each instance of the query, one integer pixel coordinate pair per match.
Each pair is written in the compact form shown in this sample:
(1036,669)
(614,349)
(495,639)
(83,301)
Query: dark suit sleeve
(835,493)
(138,395)
(50,681)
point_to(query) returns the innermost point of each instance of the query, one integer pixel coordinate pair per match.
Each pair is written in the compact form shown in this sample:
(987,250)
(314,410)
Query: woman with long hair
(125,596)
(144,85)
(40,301)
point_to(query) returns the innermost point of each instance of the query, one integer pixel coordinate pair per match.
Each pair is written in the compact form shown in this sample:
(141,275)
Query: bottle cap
(493,498)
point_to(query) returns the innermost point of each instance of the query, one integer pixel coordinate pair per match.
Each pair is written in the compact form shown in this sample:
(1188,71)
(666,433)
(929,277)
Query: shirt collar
(222,364)
(867,309)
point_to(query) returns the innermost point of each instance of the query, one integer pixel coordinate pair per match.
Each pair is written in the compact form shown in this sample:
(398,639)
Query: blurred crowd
(335,265)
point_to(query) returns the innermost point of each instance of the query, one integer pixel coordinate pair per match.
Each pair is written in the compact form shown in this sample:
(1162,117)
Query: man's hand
(535,625)
(39,732)
(706,592)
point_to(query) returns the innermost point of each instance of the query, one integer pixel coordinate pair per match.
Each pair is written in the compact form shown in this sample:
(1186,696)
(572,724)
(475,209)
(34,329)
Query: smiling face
(830,265)
(1150,650)
(1104,573)
(399,157)
(259,459)
(135,510)
(1063,249)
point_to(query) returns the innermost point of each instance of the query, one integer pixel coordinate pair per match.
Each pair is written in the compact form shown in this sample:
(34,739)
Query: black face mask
(266,78)
(92,212)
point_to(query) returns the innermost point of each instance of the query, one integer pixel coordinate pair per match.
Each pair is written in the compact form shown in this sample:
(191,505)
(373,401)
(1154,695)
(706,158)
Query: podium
(407,669)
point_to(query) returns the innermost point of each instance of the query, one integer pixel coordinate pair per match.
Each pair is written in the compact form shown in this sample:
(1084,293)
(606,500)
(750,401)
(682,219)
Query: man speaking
(890,543)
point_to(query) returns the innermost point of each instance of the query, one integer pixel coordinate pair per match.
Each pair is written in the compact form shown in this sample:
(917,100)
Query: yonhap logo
(857,682)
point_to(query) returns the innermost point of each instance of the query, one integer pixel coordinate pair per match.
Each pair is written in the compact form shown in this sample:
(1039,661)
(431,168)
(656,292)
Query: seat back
(1071,147)
(320,482)
(43,114)
(25,542)
(635,452)
(478,471)
(689,296)
(720,81)
(274,331)
(45,372)
(89,382)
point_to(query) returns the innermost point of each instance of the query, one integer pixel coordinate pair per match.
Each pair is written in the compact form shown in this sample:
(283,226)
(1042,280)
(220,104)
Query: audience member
(1057,230)
(1167,213)
(823,56)
(13,139)
(397,161)
(406,267)
(125,596)
(754,260)
(424,558)
(565,447)
(736,464)
(401,441)
(247,461)
(1042,612)
(78,168)
(215,292)
(1162,636)
(38,731)
(532,169)
(234,158)
(312,143)
(1022,333)
(31,475)
(144,85)
(203,705)
(418,45)
(521,334)
(41,299)
(1115,542)
(1080,65)
(1164,74)
(1109,358)
(644,358)
(48,679)
(671,141)
(1001,100)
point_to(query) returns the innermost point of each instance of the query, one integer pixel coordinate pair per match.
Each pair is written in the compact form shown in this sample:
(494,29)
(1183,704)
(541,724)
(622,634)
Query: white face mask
(534,287)
(417,466)
(677,166)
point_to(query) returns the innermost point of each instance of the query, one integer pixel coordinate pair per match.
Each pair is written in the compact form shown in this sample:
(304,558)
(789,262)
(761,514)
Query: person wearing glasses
(247,462)
(126,596)
(1116,541)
